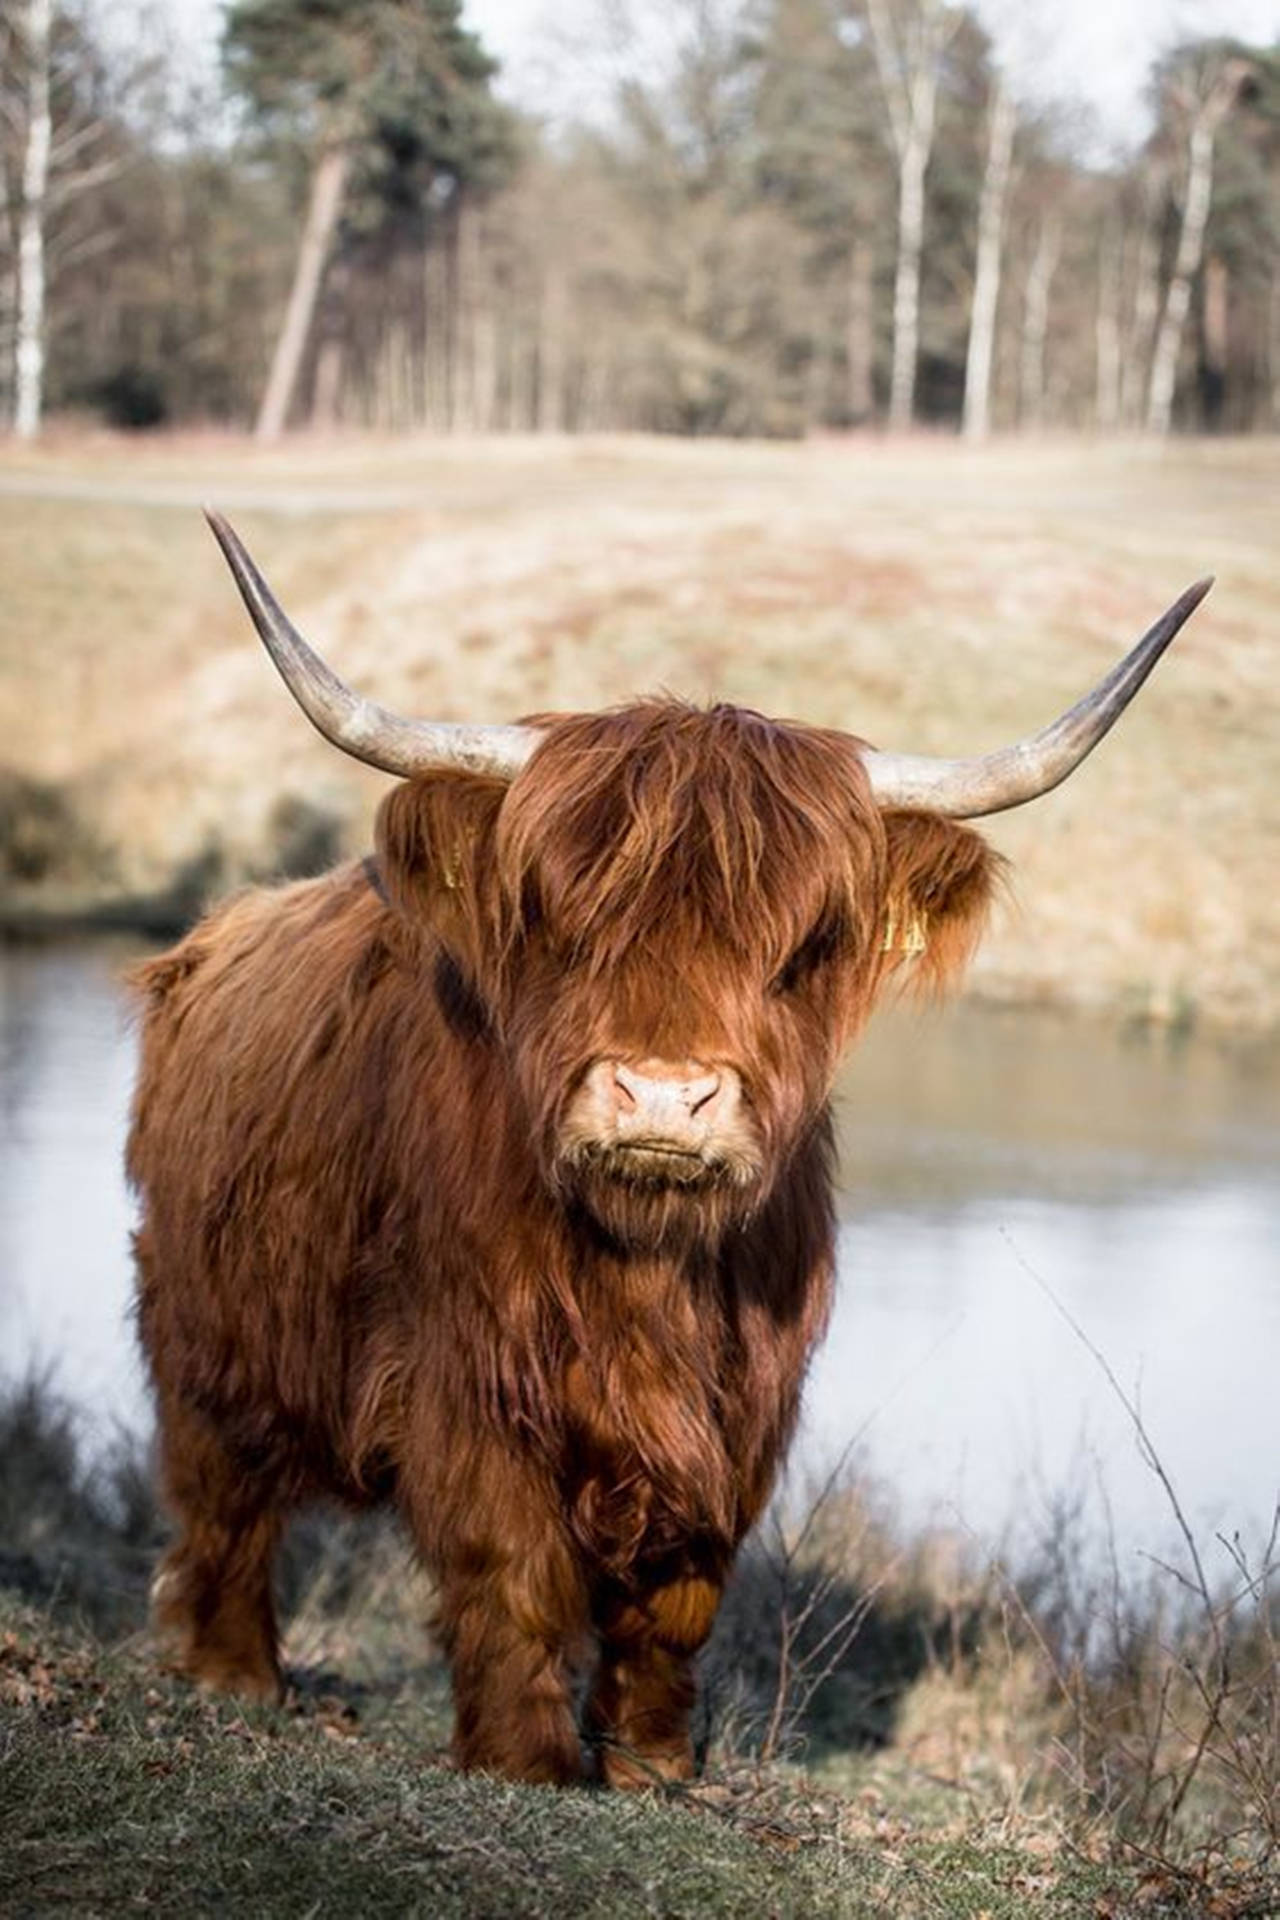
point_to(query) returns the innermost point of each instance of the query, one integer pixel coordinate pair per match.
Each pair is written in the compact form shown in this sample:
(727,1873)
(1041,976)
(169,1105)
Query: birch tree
(1035,320)
(860,330)
(74,120)
(1206,108)
(1106,331)
(8,290)
(1145,311)
(29,347)
(986,281)
(908,41)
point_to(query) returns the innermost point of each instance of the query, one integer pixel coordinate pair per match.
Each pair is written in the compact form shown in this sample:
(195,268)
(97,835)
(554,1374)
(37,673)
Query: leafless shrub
(78,1530)
(1173,1688)
(829,1621)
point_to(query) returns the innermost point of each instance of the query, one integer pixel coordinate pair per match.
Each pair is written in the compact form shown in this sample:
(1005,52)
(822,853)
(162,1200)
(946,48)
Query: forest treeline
(788,216)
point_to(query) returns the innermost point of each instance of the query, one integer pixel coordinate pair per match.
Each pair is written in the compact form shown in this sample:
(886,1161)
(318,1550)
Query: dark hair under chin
(648,1216)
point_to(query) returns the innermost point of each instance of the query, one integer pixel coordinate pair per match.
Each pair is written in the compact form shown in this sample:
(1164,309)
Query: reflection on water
(1004,1171)
(999,1169)
(66,1068)
(982,1403)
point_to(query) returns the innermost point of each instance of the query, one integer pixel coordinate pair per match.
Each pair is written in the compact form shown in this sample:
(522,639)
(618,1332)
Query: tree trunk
(1215,343)
(433,378)
(1035,322)
(909,78)
(550,414)
(815,379)
(326,401)
(326,393)
(1107,332)
(1210,112)
(451,291)
(1195,214)
(29,353)
(986,279)
(8,296)
(1146,307)
(860,332)
(484,359)
(906,287)
(467,297)
(327,187)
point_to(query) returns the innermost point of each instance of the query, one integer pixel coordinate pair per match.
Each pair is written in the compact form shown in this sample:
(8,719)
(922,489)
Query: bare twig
(1220,1729)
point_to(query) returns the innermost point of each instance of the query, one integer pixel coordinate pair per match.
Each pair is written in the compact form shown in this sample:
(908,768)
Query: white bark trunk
(1035,322)
(8,296)
(908,70)
(1209,115)
(859,332)
(906,286)
(986,279)
(433,371)
(1195,215)
(552,353)
(485,361)
(1146,307)
(1107,333)
(29,353)
(466,297)
(327,187)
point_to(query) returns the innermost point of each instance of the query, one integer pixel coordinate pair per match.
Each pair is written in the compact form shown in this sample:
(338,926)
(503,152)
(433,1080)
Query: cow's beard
(653,1199)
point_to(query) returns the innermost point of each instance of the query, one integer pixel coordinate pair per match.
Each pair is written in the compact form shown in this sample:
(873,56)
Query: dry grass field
(923,595)
(920,594)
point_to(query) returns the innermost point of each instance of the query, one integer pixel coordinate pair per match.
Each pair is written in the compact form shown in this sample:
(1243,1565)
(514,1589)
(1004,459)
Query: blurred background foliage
(790,216)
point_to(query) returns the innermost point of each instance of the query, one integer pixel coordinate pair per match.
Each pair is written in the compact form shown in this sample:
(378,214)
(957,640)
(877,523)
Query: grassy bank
(125,1792)
(892,1729)
(923,595)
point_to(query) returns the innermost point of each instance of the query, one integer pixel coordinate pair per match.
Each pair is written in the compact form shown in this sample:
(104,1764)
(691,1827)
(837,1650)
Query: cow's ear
(435,849)
(942,879)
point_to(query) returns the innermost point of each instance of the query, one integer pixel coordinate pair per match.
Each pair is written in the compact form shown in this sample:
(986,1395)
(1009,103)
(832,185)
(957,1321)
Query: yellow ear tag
(909,938)
(451,870)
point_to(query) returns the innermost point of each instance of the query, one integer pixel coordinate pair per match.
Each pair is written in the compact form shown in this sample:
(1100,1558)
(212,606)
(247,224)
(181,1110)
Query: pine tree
(390,94)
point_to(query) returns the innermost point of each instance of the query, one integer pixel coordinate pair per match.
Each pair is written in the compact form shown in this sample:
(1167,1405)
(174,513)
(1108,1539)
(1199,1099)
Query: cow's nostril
(624,1092)
(664,1096)
(702,1093)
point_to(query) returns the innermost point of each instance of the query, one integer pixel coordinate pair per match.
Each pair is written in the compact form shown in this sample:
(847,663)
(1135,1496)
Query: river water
(1026,1201)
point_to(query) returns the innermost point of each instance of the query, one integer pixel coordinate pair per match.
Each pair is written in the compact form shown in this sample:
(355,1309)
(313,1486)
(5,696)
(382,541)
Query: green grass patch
(934,1768)
(122,1790)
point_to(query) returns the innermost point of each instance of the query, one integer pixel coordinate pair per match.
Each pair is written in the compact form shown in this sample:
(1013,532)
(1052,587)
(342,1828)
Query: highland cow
(491,1176)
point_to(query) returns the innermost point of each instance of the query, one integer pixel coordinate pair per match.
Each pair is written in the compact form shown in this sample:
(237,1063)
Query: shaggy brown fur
(370,1266)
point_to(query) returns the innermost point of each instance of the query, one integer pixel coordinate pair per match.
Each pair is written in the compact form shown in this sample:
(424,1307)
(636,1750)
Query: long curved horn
(993,782)
(361,727)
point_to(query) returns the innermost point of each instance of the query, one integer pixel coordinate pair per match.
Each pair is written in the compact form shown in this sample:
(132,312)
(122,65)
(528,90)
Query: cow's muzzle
(661,1123)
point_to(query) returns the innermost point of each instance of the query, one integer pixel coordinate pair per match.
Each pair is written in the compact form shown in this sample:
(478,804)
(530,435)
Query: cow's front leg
(211,1597)
(512,1615)
(642,1699)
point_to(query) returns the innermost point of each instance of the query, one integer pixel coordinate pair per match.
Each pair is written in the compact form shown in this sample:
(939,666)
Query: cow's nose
(658,1092)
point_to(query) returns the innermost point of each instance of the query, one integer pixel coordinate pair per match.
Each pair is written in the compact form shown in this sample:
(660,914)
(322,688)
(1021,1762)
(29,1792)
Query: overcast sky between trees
(1096,52)
(1091,53)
